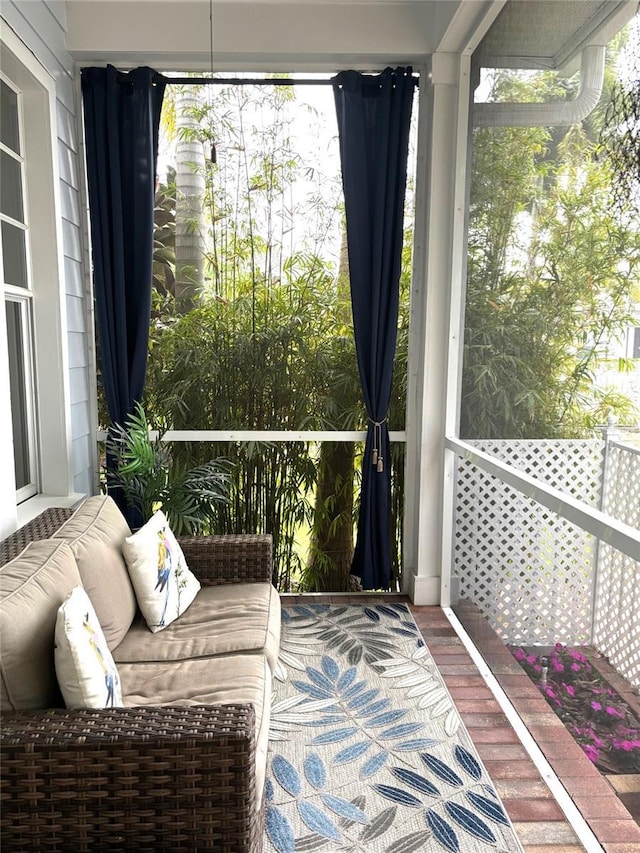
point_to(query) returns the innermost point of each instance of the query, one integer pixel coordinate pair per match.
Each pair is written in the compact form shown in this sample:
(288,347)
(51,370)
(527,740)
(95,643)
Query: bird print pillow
(87,674)
(163,584)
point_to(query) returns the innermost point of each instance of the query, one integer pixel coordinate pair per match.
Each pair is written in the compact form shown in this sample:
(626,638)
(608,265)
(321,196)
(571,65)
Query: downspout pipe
(554,113)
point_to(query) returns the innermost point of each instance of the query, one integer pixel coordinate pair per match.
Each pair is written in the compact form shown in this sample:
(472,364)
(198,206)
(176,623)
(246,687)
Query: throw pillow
(163,584)
(86,671)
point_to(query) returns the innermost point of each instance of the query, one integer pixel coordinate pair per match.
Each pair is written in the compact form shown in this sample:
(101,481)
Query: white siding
(42,28)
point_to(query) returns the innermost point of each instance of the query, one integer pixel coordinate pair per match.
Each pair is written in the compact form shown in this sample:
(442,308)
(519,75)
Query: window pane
(9,134)
(14,255)
(11,187)
(17,385)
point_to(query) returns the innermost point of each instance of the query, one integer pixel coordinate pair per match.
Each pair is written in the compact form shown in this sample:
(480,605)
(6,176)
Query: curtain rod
(249,81)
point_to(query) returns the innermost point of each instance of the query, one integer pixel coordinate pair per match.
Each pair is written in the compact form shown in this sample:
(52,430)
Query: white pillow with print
(87,674)
(163,584)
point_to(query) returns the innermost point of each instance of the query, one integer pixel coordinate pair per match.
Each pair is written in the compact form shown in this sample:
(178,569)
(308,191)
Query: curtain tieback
(376,454)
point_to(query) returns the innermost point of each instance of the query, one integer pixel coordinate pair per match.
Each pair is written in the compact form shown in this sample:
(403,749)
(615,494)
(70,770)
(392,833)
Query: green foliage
(268,341)
(151,478)
(164,239)
(551,273)
(210,370)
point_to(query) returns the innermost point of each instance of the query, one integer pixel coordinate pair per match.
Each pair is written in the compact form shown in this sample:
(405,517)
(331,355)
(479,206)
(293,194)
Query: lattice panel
(529,571)
(617,606)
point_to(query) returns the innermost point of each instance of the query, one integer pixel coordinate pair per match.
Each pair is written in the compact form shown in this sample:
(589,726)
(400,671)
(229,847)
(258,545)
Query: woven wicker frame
(172,778)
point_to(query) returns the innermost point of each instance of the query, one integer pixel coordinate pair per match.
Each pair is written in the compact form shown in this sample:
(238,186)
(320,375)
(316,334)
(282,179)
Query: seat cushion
(32,588)
(206,681)
(221,620)
(96,532)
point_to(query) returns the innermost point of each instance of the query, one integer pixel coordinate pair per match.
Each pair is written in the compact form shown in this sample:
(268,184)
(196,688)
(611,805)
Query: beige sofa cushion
(221,620)
(206,681)
(95,533)
(32,588)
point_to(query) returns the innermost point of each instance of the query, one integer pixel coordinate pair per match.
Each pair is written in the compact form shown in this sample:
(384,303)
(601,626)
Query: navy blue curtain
(122,120)
(374,115)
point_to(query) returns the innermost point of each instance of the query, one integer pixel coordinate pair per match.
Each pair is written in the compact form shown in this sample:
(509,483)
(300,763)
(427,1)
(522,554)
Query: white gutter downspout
(553,113)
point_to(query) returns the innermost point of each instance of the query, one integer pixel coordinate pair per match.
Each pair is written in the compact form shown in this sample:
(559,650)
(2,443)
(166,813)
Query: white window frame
(23,301)
(50,351)
(23,297)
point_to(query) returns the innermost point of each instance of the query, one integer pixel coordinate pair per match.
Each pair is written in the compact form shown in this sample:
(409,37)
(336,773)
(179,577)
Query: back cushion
(95,533)
(32,588)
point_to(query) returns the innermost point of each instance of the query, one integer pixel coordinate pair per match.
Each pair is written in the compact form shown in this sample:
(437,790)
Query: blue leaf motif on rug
(314,770)
(279,830)
(443,832)
(469,821)
(367,751)
(489,808)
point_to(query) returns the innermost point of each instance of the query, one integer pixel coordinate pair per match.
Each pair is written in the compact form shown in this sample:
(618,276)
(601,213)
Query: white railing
(547,542)
(616,622)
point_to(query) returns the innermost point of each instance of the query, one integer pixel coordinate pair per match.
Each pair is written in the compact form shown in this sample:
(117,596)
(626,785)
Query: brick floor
(538,820)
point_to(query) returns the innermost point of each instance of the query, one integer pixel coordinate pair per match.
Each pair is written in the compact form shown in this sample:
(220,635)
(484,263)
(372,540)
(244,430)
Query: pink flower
(557,665)
(626,745)
(614,712)
(550,692)
(576,655)
(576,667)
(531,659)
(590,751)
(519,654)
(596,706)
(571,690)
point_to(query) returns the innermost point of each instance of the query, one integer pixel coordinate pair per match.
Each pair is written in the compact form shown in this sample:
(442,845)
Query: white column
(441,162)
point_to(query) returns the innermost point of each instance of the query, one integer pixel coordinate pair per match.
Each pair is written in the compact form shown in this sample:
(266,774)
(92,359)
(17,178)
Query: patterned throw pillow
(86,671)
(163,584)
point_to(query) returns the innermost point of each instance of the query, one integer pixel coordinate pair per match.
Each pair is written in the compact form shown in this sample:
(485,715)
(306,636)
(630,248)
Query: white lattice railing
(538,578)
(617,594)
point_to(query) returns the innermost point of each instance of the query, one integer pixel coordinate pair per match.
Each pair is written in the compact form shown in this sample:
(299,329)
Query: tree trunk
(332,535)
(190,187)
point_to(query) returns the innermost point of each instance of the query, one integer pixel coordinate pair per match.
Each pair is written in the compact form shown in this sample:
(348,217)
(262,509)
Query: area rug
(367,751)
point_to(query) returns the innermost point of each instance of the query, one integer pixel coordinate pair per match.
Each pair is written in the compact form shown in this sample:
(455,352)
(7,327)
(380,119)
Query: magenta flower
(591,752)
(614,712)
(595,714)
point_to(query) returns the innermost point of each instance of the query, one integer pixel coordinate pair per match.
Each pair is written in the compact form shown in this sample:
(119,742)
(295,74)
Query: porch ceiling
(550,33)
(286,35)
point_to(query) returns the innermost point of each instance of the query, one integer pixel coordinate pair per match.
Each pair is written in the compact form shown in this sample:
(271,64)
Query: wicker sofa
(182,765)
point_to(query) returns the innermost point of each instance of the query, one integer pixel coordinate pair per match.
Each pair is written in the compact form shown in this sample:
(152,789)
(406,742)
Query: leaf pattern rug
(367,751)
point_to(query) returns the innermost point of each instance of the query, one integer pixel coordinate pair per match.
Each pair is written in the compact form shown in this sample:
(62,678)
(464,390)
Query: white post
(426,407)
